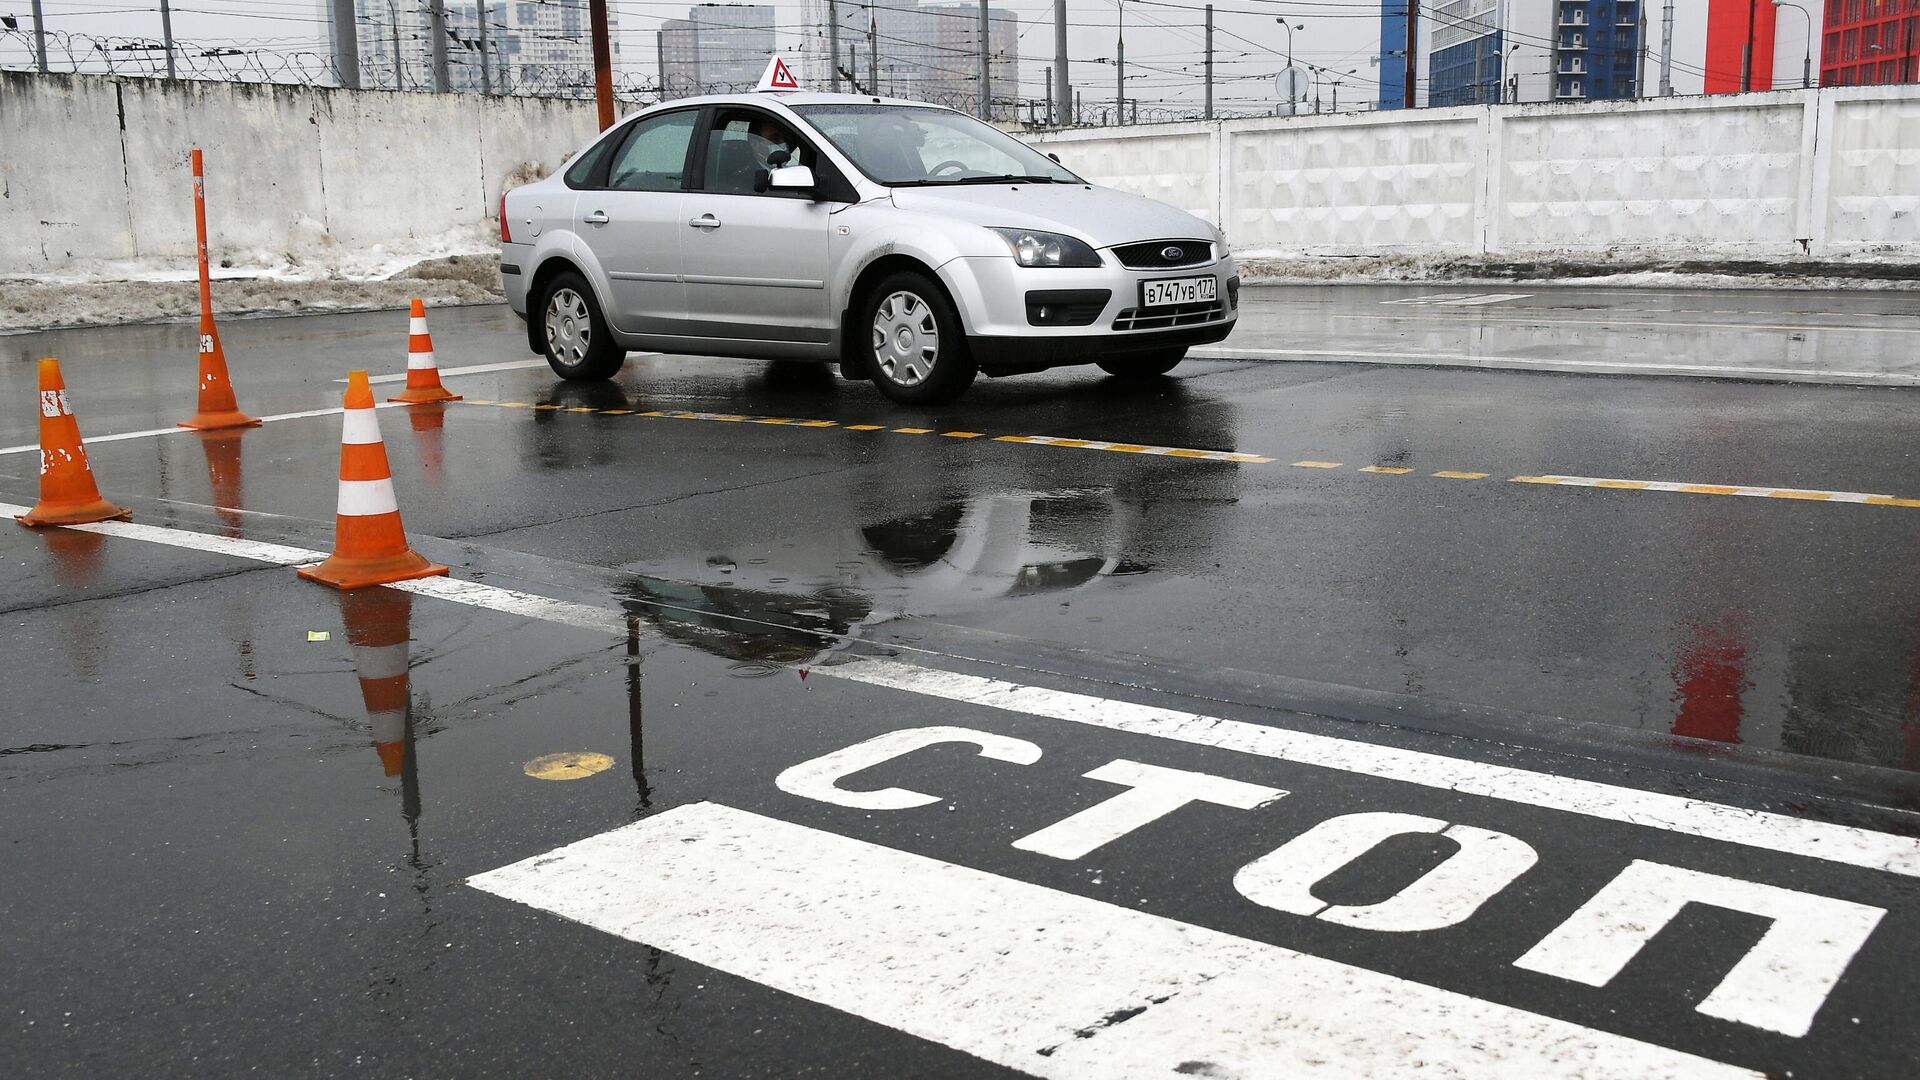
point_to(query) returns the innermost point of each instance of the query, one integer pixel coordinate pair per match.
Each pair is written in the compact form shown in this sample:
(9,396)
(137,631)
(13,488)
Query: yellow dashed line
(584,408)
(1855,498)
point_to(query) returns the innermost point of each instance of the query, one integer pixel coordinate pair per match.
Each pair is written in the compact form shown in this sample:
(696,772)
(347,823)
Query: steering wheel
(958,165)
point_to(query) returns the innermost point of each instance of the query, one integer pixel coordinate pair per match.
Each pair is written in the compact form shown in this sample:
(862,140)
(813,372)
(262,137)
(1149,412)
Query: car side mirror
(1055,157)
(791,178)
(779,157)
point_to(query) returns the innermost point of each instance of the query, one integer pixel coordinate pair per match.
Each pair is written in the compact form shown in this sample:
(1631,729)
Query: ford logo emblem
(1172,254)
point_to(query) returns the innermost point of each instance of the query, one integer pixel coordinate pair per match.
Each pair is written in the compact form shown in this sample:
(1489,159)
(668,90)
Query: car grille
(1151,254)
(1161,318)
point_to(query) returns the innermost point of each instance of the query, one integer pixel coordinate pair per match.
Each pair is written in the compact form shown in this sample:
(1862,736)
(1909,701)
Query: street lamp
(1806,64)
(1289,28)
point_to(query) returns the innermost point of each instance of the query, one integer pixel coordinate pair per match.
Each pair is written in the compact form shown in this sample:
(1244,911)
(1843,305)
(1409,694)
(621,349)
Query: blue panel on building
(1393,68)
(1467,73)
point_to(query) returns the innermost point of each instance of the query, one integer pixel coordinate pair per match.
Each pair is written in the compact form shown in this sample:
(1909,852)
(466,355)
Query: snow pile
(1274,266)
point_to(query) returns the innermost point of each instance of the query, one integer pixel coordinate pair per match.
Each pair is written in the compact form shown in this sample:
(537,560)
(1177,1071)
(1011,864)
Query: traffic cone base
(215,421)
(82,514)
(344,573)
(423,372)
(68,494)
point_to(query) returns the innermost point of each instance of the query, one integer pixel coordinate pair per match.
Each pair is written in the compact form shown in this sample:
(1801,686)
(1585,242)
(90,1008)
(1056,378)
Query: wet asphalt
(218,862)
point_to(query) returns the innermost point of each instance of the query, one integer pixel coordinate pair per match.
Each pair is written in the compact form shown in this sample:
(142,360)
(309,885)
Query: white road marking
(176,430)
(1693,488)
(1485,863)
(478,369)
(1041,981)
(1152,792)
(1759,829)
(1589,798)
(1464,300)
(1627,324)
(1778,985)
(817,779)
(1585,367)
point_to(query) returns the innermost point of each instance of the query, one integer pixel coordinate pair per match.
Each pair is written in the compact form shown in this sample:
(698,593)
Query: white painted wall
(95,168)
(1827,173)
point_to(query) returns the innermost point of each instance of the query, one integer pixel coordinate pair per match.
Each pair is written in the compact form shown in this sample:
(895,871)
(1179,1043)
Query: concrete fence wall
(1822,173)
(95,168)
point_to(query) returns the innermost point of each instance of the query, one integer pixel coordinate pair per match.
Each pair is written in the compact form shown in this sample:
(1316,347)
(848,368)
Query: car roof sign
(777,76)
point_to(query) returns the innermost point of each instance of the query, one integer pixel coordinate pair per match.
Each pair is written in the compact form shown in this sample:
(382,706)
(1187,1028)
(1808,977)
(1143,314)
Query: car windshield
(903,145)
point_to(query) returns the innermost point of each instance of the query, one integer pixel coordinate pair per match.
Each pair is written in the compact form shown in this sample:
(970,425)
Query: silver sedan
(911,244)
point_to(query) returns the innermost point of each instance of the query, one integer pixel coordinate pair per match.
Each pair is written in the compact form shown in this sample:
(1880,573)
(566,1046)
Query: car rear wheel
(1143,365)
(916,351)
(579,346)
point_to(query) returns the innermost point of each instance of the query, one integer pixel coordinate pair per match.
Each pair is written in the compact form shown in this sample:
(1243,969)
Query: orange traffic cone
(379,627)
(68,495)
(370,548)
(218,409)
(423,375)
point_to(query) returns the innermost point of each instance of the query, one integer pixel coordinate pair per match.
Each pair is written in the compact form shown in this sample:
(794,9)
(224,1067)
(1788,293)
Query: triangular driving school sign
(778,76)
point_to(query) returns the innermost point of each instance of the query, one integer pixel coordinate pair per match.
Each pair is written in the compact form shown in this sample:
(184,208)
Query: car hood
(1101,215)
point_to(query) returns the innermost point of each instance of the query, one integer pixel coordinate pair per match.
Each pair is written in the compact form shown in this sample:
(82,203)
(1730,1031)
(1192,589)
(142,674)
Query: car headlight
(1220,238)
(1032,248)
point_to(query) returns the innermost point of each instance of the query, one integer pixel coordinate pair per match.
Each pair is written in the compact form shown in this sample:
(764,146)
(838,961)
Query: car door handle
(598,217)
(705,221)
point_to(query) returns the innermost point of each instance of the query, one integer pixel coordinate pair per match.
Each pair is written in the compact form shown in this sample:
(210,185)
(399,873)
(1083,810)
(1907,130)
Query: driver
(768,137)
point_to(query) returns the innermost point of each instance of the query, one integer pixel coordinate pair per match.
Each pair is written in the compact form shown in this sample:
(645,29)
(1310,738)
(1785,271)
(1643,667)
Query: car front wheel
(916,351)
(1143,365)
(579,346)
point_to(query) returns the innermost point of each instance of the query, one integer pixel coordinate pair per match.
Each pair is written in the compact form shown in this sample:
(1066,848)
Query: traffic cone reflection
(427,422)
(378,628)
(222,450)
(423,374)
(68,495)
(370,547)
(218,408)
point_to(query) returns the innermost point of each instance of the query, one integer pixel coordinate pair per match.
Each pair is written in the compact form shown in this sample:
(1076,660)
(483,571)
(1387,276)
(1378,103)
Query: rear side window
(654,157)
(580,174)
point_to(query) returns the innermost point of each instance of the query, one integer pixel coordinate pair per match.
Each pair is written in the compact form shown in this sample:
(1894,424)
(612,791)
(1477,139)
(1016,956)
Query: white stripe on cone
(417,324)
(380,661)
(359,427)
(365,498)
(416,360)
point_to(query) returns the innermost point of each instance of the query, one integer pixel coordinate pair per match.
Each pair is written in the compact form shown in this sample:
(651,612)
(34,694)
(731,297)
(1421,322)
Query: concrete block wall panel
(1702,178)
(1873,178)
(63,189)
(1171,167)
(514,131)
(399,166)
(262,163)
(1339,185)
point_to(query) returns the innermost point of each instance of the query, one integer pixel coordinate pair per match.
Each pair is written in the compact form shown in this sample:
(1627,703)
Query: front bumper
(1009,334)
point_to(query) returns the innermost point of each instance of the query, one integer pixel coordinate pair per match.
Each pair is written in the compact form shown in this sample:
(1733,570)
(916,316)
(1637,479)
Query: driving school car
(911,244)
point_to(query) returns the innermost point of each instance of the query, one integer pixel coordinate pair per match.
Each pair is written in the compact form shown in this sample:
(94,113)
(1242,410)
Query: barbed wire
(144,57)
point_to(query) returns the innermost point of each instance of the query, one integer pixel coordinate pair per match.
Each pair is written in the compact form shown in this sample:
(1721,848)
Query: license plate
(1186,290)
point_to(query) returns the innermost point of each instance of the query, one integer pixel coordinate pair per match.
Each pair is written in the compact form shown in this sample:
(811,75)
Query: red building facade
(1868,42)
(1731,25)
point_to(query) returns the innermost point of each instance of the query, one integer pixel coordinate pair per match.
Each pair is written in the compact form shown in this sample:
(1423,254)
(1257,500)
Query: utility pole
(1063,86)
(1209,62)
(40,37)
(1051,122)
(873,57)
(393,23)
(166,34)
(486,71)
(1640,65)
(1413,50)
(1746,51)
(437,28)
(602,62)
(833,43)
(660,59)
(1666,52)
(346,44)
(986,78)
(1120,67)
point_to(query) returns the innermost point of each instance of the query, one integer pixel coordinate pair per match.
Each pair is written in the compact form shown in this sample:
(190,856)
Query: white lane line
(476,369)
(1693,817)
(1041,981)
(1714,821)
(176,430)
(1463,300)
(1624,324)
(1808,494)
(1589,367)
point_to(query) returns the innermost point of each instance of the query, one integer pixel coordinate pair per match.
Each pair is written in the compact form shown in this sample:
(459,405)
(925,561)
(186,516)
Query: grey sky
(1164,51)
